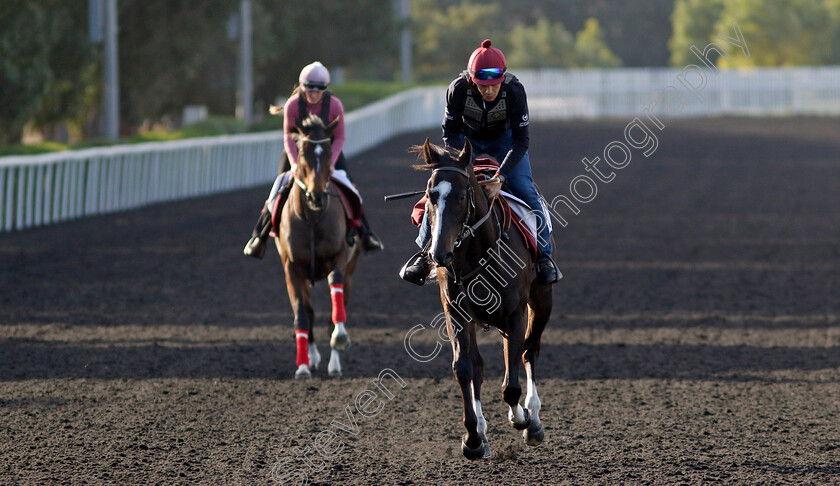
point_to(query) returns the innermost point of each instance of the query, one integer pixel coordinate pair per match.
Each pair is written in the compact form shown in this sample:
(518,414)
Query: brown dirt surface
(695,337)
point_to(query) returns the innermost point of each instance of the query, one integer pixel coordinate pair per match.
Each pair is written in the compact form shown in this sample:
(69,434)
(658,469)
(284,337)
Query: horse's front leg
(511,389)
(478,379)
(296,285)
(339,340)
(461,334)
(539,311)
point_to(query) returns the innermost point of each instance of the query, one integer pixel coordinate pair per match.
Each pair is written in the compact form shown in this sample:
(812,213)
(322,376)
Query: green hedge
(353,94)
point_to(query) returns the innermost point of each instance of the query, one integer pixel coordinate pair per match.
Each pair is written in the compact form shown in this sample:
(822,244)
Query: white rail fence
(44,189)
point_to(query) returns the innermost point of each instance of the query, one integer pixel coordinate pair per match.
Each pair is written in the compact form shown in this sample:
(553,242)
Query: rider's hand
(492,189)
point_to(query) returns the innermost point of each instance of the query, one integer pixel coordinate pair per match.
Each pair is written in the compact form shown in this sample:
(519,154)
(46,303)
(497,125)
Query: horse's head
(450,194)
(314,163)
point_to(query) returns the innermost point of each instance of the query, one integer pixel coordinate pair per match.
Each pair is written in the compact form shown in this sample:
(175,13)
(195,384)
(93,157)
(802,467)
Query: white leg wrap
(516,414)
(482,423)
(302,372)
(532,399)
(339,339)
(334,368)
(314,356)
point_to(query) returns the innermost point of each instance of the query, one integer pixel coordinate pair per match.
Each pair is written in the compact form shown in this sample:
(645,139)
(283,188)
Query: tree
(542,46)
(445,38)
(591,50)
(174,54)
(72,67)
(779,32)
(692,23)
(359,36)
(24,65)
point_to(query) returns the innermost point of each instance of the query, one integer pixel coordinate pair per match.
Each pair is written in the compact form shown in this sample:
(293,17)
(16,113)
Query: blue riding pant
(519,182)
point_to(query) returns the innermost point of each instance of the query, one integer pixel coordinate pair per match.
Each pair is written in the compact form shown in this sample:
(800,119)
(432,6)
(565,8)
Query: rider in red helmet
(312,96)
(488,106)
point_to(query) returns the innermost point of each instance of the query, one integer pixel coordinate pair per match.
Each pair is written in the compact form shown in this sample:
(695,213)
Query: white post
(246,77)
(111,100)
(404,16)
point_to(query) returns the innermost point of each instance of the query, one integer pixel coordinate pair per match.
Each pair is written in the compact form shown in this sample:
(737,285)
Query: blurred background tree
(178,53)
(781,32)
(543,45)
(591,49)
(693,23)
(25,74)
(445,35)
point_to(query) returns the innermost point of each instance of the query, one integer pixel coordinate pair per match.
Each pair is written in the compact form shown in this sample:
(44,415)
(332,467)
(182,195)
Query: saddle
(348,194)
(514,211)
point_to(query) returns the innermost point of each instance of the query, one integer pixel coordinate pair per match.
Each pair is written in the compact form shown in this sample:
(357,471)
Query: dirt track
(695,337)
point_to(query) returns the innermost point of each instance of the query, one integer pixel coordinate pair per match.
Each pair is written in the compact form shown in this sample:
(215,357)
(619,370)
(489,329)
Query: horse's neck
(297,203)
(485,235)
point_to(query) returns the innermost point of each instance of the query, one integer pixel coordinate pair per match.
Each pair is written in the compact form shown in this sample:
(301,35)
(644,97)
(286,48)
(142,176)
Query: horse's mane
(436,150)
(312,121)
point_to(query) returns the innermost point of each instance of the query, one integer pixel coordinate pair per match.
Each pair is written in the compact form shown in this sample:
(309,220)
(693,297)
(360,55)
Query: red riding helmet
(487,65)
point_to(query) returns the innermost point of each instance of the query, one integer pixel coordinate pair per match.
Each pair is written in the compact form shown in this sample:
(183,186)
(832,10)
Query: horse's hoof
(303,372)
(486,445)
(339,340)
(524,425)
(482,451)
(534,435)
(335,374)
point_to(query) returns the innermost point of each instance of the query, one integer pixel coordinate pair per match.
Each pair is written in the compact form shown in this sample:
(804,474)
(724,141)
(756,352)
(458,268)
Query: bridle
(467,230)
(306,192)
(311,223)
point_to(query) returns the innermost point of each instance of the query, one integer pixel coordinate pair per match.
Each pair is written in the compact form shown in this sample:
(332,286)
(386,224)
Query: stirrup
(255,248)
(416,268)
(549,275)
(371,242)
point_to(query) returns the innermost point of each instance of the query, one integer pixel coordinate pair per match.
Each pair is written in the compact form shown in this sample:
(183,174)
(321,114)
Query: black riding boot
(547,272)
(256,245)
(417,268)
(370,242)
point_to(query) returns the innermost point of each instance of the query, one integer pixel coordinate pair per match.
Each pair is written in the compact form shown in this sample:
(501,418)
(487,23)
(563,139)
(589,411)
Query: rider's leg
(370,242)
(259,236)
(521,184)
(419,265)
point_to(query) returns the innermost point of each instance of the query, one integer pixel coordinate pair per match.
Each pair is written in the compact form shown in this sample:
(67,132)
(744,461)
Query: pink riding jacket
(291,114)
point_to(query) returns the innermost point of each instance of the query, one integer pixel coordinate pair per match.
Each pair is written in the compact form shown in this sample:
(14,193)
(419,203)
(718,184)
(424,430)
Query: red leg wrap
(337,293)
(302,347)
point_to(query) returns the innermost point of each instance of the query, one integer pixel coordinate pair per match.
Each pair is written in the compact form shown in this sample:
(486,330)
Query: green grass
(353,95)
(32,148)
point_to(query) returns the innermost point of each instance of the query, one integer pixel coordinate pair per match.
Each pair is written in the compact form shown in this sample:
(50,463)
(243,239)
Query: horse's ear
(427,151)
(465,157)
(332,126)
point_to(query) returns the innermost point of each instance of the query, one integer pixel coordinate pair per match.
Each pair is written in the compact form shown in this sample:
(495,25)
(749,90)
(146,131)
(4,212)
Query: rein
(311,223)
(467,230)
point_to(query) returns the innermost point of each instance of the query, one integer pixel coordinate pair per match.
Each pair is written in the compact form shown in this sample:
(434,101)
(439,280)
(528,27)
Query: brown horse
(312,241)
(486,276)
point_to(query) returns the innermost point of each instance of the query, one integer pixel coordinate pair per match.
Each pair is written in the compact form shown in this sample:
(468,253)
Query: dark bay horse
(313,245)
(486,277)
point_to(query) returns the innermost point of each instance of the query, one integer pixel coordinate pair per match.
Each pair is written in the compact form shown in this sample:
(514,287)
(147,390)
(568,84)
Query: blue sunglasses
(489,73)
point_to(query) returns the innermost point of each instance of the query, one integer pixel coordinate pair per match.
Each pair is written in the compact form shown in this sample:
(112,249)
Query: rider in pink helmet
(311,96)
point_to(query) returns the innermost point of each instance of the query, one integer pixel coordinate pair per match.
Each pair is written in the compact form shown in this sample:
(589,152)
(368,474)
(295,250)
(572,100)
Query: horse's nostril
(447,258)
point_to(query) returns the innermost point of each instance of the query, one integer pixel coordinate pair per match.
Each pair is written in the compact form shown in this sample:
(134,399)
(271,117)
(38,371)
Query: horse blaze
(337,294)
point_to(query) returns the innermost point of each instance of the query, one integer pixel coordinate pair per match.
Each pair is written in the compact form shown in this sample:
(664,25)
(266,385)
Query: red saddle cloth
(350,201)
(485,169)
